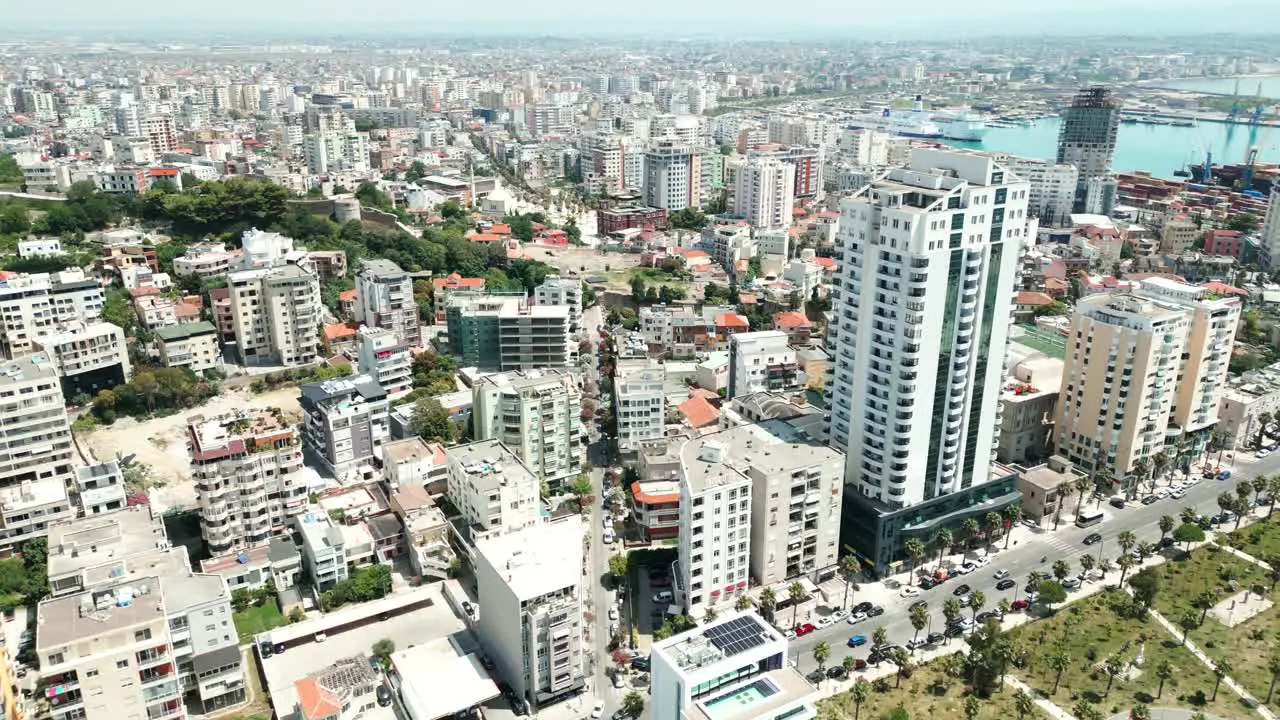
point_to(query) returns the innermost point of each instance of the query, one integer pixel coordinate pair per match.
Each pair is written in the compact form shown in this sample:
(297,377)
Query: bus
(1088,517)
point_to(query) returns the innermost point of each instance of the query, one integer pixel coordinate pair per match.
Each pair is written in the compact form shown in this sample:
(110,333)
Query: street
(1066,543)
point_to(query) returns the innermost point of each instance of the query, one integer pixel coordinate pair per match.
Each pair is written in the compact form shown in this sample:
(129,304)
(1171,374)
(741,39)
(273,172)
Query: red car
(859,664)
(804,629)
(1020,605)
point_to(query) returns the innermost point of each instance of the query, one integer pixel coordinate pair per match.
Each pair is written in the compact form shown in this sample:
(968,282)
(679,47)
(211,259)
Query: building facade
(537,415)
(672,176)
(1087,141)
(493,491)
(505,332)
(558,290)
(715,529)
(382,356)
(384,299)
(345,421)
(193,345)
(760,361)
(640,405)
(762,191)
(275,313)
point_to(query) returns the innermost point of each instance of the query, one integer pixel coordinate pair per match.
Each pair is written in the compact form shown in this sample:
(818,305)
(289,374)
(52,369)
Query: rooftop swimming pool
(736,701)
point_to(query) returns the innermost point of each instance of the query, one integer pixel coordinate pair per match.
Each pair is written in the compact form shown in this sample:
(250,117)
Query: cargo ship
(918,123)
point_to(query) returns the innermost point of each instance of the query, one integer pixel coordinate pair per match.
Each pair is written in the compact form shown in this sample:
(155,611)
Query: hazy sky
(934,18)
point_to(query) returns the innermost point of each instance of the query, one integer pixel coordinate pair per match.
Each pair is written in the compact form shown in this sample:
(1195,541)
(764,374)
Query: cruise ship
(920,124)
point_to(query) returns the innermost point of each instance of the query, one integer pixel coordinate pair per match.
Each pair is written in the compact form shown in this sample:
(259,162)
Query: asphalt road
(1065,543)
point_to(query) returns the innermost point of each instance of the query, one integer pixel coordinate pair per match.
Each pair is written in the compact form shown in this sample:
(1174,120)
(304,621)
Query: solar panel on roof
(737,635)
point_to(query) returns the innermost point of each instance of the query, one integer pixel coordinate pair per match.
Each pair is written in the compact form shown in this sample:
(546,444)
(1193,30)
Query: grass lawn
(1090,631)
(926,694)
(653,277)
(1052,345)
(1207,569)
(258,619)
(1261,540)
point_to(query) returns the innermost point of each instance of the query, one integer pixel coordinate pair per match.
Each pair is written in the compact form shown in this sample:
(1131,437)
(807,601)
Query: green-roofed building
(190,345)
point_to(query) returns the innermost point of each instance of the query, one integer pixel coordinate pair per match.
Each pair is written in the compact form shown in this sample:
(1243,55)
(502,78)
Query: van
(321,637)
(663,598)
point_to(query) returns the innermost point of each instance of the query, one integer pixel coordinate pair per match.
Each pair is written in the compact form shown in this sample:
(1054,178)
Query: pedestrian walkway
(1051,708)
(1246,557)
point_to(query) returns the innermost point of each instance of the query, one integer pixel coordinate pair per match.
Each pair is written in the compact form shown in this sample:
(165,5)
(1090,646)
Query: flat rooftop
(776,689)
(438,679)
(96,539)
(65,620)
(31,367)
(491,464)
(769,447)
(538,559)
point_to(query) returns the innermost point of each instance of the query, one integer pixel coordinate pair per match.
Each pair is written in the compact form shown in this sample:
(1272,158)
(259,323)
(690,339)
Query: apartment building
(1028,406)
(324,549)
(537,415)
(505,332)
(1087,141)
(640,404)
(275,313)
(38,467)
(1051,188)
(492,489)
(247,467)
(761,361)
(193,345)
(1145,372)
(99,488)
(558,290)
(31,305)
(761,191)
(381,355)
(206,260)
(928,255)
(715,529)
(672,176)
(733,668)
(130,628)
(345,421)
(529,583)
(88,357)
(384,299)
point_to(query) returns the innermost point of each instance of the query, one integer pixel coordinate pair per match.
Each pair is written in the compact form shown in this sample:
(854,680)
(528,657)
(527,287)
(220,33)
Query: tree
(919,619)
(1061,570)
(1140,712)
(710,616)
(972,706)
(1081,485)
(430,421)
(977,601)
(581,489)
(1273,667)
(1273,492)
(903,661)
(1243,223)
(1145,584)
(1126,540)
(1052,592)
(1188,533)
(633,705)
(687,219)
(1125,562)
(14,219)
(1188,622)
(382,650)
(1087,562)
(1113,667)
(951,610)
(991,524)
(618,566)
(1023,704)
(1105,566)
(241,598)
(768,603)
(1164,671)
(743,603)
(821,654)
(942,540)
(1221,668)
(1204,602)
(796,594)
(914,547)
(859,694)
(879,636)
(849,570)
(849,663)
(10,171)
(1013,515)
(297,614)
(970,529)
(1059,661)
(1166,525)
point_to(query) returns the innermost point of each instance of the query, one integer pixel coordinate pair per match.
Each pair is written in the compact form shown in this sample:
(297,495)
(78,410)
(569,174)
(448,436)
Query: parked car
(618,680)
(955,630)
(857,641)
(1224,475)
(804,629)
(988,615)
(663,597)
(961,590)
(915,644)
(1020,604)
(875,611)
(1001,574)
(1149,500)
(856,618)
(1117,501)
(1071,583)
(919,603)
(862,607)
(597,710)
(935,638)
(909,591)
(1006,583)
(384,696)
(859,664)
(837,673)
(1177,494)
(927,583)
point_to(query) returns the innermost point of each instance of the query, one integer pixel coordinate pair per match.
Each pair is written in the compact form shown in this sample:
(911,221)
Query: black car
(875,611)
(1092,539)
(982,617)
(816,677)
(926,583)
(955,630)
(863,607)
(961,590)
(1005,584)
(935,638)
(384,696)
(837,673)
(1149,500)
(919,603)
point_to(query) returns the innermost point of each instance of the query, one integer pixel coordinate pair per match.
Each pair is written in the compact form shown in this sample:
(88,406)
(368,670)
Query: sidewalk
(1246,557)
(1053,709)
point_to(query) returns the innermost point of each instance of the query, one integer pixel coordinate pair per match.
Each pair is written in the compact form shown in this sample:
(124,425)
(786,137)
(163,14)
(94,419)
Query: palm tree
(1013,515)
(1125,562)
(1081,486)
(919,619)
(768,603)
(1273,492)
(1004,606)
(1259,486)
(849,663)
(879,636)
(1167,524)
(971,530)
(742,603)
(977,601)
(859,694)
(915,550)
(1023,704)
(1034,578)
(1127,540)
(1087,562)
(1113,667)
(1188,514)
(1141,467)
(1226,501)
(903,661)
(1145,550)
(1160,463)
(993,522)
(1061,570)
(849,569)
(1188,622)
(1264,421)
(951,610)
(1084,710)
(1204,602)
(942,540)
(1140,712)
(1164,671)
(1104,567)
(1104,477)
(1059,661)
(709,616)
(1273,666)
(796,594)
(1221,668)
(821,653)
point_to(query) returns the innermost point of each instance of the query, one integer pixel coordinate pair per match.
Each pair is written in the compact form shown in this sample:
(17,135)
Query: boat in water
(918,123)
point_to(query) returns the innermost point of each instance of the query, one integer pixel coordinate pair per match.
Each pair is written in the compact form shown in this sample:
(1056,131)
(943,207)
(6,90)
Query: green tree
(581,489)
(1052,593)
(1087,563)
(914,547)
(1188,622)
(10,171)
(1023,704)
(1112,667)
(850,568)
(382,650)
(1061,570)
(241,598)
(687,219)
(1167,523)
(430,421)
(1221,669)
(1145,584)
(796,594)
(972,706)
(1125,562)
(1188,533)
(618,566)
(1013,515)
(942,540)
(1164,672)
(633,705)
(977,601)
(768,603)
(919,619)
(859,694)
(1273,667)
(1059,661)
(821,654)
(743,603)
(14,219)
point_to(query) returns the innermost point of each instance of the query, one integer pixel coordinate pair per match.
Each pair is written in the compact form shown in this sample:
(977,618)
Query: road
(1066,543)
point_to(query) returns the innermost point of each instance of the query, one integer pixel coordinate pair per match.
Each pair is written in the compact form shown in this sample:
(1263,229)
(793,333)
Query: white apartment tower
(1052,187)
(494,492)
(382,357)
(640,405)
(537,415)
(760,361)
(763,191)
(562,290)
(715,528)
(928,255)
(384,299)
(673,176)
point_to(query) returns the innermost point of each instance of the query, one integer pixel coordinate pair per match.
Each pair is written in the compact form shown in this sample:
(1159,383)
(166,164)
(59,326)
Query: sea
(1157,149)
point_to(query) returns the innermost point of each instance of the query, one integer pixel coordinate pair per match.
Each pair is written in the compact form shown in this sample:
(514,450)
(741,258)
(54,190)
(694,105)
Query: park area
(932,692)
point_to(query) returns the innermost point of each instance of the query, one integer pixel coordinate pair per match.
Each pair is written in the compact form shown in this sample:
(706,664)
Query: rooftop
(33,494)
(229,434)
(769,447)
(731,634)
(363,385)
(490,463)
(538,559)
(90,541)
(30,367)
(412,449)
(318,532)
(439,680)
(380,267)
(65,620)
(180,332)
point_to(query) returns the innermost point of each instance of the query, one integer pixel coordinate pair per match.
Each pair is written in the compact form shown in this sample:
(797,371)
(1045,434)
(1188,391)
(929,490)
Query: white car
(1178,494)
(1263,452)
(597,710)
(618,681)
(856,618)
(824,621)
(613,613)
(1001,574)
(608,537)
(909,591)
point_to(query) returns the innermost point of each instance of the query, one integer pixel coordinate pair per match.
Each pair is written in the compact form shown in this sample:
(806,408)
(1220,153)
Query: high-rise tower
(1087,140)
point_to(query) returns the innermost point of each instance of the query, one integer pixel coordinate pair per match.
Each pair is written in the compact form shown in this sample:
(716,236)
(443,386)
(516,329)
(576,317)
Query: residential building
(715,528)
(89,357)
(328,264)
(762,191)
(760,361)
(1087,141)
(732,246)
(492,489)
(1052,187)
(640,404)
(275,315)
(1244,400)
(31,305)
(40,247)
(529,585)
(1172,343)
(1028,406)
(796,325)
(384,299)
(920,313)
(345,421)
(1178,235)
(99,488)
(415,462)
(38,467)
(247,467)
(537,415)
(672,176)
(206,260)
(278,562)
(505,332)
(558,290)
(383,356)
(624,217)
(716,671)
(193,345)
(324,552)
(1269,237)
(345,690)
(1045,487)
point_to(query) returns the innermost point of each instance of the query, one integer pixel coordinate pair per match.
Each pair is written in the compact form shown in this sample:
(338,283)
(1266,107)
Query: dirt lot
(161,443)
(574,259)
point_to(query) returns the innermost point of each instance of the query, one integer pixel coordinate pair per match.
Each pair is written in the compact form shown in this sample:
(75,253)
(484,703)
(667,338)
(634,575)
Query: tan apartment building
(1144,372)
(275,314)
(194,345)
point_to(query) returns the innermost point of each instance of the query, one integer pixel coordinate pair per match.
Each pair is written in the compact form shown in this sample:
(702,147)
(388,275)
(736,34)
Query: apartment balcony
(166,710)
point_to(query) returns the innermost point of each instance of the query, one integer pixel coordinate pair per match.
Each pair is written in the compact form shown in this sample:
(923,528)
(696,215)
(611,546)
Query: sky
(868,18)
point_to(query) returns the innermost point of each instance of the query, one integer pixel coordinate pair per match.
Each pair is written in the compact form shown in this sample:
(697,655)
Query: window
(55,658)
(122,664)
(142,635)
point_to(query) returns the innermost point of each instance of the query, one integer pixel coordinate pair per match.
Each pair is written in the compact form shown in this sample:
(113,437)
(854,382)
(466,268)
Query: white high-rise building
(384,299)
(537,414)
(640,404)
(760,361)
(275,313)
(672,176)
(928,255)
(715,528)
(763,191)
(1053,187)
(562,290)
(1269,242)
(494,492)
(390,363)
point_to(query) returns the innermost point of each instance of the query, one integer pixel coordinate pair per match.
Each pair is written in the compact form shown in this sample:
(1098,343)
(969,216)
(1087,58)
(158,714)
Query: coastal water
(1158,149)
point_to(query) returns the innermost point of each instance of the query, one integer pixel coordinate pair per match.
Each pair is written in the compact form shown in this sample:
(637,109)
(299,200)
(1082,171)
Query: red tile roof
(638,492)
(347,295)
(500,229)
(731,320)
(1028,297)
(825,262)
(699,412)
(1224,289)
(456,281)
(339,330)
(484,237)
(314,701)
(790,320)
